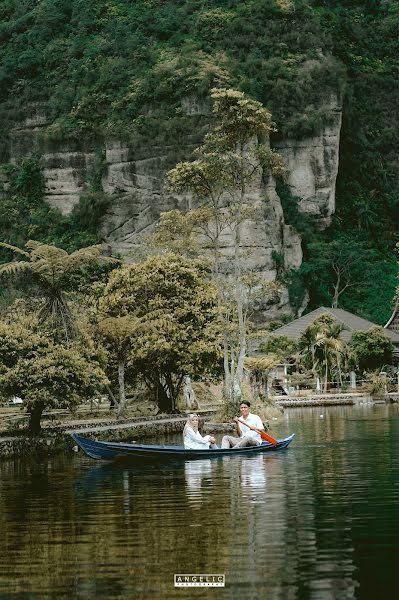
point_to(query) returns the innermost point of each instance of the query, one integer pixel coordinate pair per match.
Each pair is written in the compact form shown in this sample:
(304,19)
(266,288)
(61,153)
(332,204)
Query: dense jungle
(121,68)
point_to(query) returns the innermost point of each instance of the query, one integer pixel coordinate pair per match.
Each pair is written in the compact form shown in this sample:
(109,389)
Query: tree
(371,349)
(117,334)
(321,349)
(228,166)
(336,267)
(43,373)
(279,344)
(259,369)
(49,269)
(176,308)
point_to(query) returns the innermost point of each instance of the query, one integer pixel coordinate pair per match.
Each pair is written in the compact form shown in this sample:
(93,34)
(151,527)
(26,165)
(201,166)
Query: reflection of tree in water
(293,524)
(165,534)
(313,501)
(253,488)
(33,496)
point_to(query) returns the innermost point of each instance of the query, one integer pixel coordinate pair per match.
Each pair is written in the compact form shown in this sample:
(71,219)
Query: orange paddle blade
(265,436)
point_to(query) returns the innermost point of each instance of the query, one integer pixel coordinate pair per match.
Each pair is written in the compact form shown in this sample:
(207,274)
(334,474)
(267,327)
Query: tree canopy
(178,332)
(371,349)
(43,373)
(49,269)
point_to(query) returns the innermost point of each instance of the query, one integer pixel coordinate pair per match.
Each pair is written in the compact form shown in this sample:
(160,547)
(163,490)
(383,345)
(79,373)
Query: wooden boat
(154,453)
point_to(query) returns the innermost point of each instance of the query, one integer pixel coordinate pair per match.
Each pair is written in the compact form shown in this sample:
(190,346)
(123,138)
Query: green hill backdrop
(121,68)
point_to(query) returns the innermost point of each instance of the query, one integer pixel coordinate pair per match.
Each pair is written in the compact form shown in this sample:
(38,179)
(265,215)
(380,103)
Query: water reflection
(253,478)
(318,521)
(195,473)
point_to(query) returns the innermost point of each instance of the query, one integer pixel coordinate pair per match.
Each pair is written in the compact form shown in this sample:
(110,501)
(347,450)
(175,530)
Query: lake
(319,520)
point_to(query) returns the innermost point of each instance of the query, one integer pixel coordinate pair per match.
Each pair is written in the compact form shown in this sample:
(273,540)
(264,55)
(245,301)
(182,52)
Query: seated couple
(247,436)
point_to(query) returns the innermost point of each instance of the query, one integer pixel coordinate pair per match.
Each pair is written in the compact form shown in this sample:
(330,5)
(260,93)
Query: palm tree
(307,348)
(322,349)
(49,268)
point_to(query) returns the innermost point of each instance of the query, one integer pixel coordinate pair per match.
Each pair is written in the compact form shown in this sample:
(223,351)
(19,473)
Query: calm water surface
(319,520)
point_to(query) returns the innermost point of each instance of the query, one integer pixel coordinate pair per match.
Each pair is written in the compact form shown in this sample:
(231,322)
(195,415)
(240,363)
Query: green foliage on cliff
(144,69)
(101,65)
(365,39)
(25,215)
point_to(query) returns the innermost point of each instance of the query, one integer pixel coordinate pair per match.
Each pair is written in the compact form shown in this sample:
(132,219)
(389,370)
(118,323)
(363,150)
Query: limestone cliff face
(66,164)
(312,165)
(134,181)
(135,186)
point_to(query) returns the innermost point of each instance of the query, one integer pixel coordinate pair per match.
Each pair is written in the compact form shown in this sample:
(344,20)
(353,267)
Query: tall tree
(336,267)
(176,309)
(371,349)
(322,350)
(228,166)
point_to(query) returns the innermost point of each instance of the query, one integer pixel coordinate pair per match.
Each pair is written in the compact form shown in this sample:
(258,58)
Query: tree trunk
(122,395)
(242,334)
(164,400)
(173,389)
(227,374)
(36,412)
(339,371)
(326,376)
(113,403)
(242,343)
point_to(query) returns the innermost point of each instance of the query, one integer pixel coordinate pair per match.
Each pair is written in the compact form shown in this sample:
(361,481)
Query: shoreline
(57,439)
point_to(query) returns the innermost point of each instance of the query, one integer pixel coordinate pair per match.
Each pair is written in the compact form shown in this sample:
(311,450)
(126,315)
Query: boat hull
(154,453)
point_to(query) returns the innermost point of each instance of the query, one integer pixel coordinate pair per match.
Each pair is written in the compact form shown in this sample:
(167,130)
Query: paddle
(263,434)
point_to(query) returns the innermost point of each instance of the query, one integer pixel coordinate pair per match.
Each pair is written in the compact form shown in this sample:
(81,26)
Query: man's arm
(238,430)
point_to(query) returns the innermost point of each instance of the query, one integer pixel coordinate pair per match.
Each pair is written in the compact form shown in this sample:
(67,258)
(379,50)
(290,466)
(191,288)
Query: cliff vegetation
(122,68)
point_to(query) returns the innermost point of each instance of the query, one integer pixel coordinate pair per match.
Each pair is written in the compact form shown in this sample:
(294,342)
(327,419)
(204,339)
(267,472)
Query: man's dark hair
(246,402)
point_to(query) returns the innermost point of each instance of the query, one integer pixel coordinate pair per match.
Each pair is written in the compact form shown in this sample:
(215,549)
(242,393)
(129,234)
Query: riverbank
(56,438)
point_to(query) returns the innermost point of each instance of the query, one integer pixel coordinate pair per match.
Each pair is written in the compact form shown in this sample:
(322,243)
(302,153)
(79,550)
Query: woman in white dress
(192,438)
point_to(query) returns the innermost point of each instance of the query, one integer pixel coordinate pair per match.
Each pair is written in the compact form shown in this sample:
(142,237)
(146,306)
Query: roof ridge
(348,327)
(350,321)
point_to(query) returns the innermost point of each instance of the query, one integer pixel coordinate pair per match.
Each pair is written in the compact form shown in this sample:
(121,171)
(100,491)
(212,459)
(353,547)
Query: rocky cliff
(134,180)
(312,164)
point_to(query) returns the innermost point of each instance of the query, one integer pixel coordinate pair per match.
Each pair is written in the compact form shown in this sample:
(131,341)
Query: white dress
(193,440)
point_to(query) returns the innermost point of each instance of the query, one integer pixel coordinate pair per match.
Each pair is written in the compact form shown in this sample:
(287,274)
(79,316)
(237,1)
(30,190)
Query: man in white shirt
(247,434)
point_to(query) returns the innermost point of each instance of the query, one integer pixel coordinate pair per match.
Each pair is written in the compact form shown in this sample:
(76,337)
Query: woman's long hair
(189,423)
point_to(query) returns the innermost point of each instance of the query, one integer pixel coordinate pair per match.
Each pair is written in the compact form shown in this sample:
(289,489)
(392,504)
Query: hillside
(140,72)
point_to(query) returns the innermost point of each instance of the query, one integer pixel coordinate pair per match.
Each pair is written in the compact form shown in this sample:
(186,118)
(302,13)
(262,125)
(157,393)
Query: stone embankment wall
(58,439)
(322,400)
